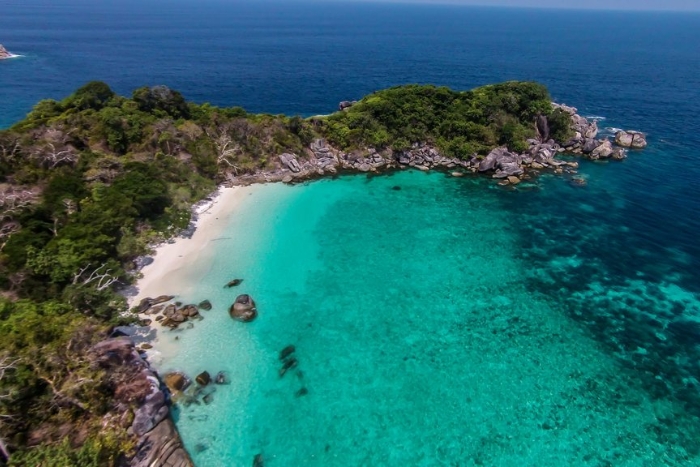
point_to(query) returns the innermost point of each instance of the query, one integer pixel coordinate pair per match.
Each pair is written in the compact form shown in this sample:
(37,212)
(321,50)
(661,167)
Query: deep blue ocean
(617,262)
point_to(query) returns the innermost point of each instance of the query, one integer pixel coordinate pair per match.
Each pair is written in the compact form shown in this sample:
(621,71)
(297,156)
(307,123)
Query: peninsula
(91,182)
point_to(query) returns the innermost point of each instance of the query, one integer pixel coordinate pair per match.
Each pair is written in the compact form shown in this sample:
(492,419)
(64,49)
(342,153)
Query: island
(4,53)
(90,183)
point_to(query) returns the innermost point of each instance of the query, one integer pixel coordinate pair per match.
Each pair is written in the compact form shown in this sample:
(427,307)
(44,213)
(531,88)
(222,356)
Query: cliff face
(4,53)
(158,443)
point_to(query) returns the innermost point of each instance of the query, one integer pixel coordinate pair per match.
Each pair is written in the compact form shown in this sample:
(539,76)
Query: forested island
(90,183)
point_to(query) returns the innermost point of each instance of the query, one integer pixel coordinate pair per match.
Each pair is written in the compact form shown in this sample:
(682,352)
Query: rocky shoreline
(510,168)
(159,443)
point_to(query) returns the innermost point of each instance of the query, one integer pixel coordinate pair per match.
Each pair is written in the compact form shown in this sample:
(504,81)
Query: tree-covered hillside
(89,182)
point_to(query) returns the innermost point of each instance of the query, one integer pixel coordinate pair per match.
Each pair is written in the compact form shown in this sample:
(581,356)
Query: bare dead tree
(9,150)
(51,157)
(6,364)
(102,279)
(12,202)
(226,148)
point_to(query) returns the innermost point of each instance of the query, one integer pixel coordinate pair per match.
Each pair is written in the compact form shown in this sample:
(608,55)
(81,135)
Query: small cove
(422,333)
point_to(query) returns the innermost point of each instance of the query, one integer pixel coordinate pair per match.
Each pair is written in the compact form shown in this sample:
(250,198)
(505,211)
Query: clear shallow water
(450,322)
(423,336)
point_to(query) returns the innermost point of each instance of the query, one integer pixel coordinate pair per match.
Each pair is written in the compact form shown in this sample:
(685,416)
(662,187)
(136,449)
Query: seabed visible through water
(444,322)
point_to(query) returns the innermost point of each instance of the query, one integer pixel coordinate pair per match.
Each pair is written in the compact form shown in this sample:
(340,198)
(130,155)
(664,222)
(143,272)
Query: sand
(172,270)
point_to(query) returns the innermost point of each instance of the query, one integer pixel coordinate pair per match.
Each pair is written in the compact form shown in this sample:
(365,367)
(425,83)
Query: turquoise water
(428,332)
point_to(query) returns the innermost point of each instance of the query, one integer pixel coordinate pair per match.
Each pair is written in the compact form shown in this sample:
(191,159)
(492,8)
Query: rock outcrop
(4,53)
(159,444)
(346,105)
(243,309)
(320,158)
(631,139)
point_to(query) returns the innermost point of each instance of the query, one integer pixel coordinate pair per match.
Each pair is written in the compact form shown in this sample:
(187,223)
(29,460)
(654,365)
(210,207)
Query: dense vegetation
(88,183)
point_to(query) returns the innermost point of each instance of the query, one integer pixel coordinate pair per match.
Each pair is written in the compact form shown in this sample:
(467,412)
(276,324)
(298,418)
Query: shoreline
(167,274)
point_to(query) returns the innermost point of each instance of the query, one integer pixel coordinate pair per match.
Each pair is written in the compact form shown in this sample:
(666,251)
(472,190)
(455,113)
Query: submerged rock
(203,378)
(258,461)
(288,365)
(205,305)
(221,378)
(233,283)
(286,352)
(243,309)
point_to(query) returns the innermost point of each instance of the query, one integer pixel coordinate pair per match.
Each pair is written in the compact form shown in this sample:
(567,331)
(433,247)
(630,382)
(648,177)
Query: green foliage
(560,125)
(137,166)
(460,123)
(161,101)
(99,450)
(94,95)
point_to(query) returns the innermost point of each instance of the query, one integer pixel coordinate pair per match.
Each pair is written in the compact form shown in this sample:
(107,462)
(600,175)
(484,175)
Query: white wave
(595,117)
(13,56)
(612,129)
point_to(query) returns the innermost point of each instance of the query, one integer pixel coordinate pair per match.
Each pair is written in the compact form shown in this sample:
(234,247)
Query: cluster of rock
(289,362)
(584,140)
(4,53)
(321,159)
(185,393)
(174,314)
(159,444)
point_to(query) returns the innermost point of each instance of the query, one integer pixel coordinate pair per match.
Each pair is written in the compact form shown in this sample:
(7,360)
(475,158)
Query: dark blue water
(619,257)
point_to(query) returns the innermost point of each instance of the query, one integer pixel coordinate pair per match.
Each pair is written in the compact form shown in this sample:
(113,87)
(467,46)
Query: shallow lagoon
(440,321)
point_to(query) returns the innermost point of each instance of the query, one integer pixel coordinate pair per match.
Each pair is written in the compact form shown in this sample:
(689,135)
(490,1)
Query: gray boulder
(592,130)
(639,141)
(590,145)
(243,309)
(491,161)
(624,139)
(150,413)
(631,139)
(603,151)
(290,161)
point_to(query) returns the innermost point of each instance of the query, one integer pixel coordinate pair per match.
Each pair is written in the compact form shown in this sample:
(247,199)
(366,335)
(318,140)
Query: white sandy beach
(171,271)
(167,274)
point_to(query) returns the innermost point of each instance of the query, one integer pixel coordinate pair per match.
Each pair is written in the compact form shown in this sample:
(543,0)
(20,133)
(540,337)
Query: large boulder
(624,139)
(630,139)
(290,161)
(639,141)
(243,309)
(152,411)
(592,130)
(590,145)
(113,352)
(161,447)
(176,381)
(346,105)
(603,151)
(203,378)
(496,156)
